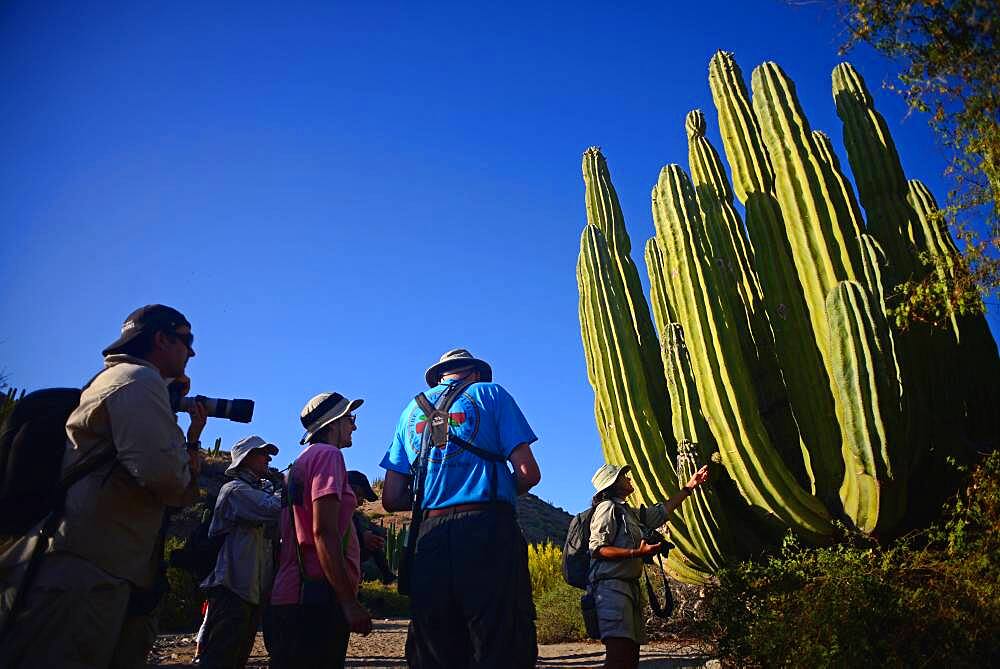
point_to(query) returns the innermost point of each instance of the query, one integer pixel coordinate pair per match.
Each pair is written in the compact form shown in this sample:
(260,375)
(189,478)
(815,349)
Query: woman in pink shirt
(310,619)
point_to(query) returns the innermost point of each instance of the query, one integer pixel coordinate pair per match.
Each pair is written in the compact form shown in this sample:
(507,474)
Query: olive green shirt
(615,523)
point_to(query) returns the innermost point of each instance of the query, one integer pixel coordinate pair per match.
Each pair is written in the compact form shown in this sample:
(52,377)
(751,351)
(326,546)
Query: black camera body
(652,536)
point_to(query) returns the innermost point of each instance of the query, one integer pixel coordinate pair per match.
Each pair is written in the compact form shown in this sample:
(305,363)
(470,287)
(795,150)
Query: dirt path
(384,648)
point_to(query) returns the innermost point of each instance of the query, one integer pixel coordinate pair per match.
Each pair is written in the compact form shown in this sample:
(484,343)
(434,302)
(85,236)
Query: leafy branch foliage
(950,54)
(931,599)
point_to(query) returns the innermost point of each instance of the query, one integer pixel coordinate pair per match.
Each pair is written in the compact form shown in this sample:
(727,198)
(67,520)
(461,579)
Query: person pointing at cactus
(618,546)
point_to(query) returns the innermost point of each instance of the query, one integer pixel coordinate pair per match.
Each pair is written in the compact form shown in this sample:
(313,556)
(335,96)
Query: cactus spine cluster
(769,349)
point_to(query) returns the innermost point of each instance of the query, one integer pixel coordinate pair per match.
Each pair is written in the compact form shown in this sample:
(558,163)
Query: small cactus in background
(7,402)
(395,544)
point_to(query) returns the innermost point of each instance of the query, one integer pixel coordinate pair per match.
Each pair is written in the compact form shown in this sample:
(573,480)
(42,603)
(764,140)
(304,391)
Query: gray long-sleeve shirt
(614,523)
(245,513)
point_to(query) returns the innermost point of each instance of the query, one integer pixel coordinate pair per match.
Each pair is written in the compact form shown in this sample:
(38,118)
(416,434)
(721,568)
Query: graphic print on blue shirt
(485,415)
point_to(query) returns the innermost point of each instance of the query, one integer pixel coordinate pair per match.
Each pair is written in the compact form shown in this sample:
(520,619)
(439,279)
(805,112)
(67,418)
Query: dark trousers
(230,630)
(470,594)
(306,637)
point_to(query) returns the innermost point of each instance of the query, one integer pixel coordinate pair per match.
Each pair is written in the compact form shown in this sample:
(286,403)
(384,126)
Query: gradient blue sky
(336,193)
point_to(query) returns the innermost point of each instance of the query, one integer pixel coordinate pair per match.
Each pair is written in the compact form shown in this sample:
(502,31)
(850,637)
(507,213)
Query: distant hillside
(540,521)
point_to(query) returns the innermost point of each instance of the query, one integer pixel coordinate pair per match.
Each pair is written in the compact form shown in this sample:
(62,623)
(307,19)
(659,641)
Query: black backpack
(32,484)
(32,445)
(576,551)
(199,553)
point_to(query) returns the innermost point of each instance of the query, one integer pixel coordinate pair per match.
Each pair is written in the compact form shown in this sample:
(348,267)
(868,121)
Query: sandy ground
(384,648)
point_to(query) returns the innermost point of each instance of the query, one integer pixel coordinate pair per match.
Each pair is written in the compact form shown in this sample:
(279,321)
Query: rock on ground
(384,648)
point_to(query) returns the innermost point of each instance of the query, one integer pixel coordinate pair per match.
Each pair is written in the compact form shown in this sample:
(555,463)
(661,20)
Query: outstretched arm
(696,480)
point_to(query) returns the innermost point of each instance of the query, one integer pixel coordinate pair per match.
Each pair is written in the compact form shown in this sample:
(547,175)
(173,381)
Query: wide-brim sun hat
(242,448)
(457,358)
(322,410)
(606,475)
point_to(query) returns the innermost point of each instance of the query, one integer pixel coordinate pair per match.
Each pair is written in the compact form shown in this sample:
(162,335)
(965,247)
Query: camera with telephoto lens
(240,411)
(652,536)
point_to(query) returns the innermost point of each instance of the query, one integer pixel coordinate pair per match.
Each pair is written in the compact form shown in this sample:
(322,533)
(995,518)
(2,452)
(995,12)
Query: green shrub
(558,614)
(383,601)
(928,600)
(181,607)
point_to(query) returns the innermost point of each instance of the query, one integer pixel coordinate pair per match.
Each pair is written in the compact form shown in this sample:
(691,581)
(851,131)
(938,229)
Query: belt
(479,506)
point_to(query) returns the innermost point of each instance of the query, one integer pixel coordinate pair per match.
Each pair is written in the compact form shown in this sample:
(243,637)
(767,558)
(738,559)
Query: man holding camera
(469,585)
(618,545)
(91,602)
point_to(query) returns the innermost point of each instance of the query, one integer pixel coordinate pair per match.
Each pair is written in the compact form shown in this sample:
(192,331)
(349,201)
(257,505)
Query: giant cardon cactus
(775,357)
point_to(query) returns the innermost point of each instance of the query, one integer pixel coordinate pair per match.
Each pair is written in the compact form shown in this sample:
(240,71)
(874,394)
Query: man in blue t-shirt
(470,591)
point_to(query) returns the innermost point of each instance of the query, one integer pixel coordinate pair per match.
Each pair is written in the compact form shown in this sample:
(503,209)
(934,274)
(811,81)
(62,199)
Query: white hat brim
(231,469)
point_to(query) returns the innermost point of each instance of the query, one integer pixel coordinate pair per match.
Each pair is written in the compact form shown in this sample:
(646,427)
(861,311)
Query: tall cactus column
(872,423)
(631,432)
(604,211)
(878,174)
(626,421)
(809,389)
(825,250)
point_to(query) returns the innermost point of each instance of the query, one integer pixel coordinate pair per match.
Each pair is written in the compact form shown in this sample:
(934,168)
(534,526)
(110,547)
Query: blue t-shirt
(486,416)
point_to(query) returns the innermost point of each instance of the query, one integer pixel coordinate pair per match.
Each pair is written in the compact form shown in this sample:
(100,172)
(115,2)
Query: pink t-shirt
(322,472)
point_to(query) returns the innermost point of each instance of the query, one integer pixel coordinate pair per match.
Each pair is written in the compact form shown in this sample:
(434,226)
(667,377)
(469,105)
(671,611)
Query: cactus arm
(604,212)
(878,173)
(615,355)
(874,494)
(824,249)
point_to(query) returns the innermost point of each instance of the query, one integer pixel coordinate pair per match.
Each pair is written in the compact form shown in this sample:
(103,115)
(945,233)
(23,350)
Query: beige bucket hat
(242,448)
(322,410)
(457,358)
(606,475)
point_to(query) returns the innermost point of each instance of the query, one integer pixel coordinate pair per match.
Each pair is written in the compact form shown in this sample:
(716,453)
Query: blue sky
(336,193)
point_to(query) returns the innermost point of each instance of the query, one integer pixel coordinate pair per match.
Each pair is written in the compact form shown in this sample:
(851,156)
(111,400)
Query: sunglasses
(187,338)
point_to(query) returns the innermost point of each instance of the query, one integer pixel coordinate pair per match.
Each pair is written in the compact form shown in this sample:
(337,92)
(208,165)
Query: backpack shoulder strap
(438,418)
(437,415)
